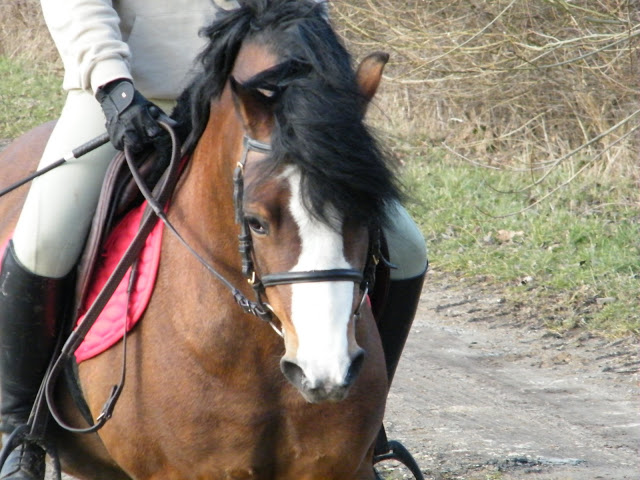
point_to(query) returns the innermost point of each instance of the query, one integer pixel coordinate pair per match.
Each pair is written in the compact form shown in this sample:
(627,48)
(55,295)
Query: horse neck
(203,204)
(203,212)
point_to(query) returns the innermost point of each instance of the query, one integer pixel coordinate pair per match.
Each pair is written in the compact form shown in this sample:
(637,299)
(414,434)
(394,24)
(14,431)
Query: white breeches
(407,247)
(56,216)
(55,219)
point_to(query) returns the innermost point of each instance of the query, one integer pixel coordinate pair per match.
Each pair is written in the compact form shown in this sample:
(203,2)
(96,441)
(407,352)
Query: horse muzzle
(319,390)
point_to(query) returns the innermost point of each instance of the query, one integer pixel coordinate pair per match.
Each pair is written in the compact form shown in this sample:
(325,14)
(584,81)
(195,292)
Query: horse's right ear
(254,108)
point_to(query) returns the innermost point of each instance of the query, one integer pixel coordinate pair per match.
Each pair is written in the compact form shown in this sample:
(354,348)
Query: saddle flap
(119,195)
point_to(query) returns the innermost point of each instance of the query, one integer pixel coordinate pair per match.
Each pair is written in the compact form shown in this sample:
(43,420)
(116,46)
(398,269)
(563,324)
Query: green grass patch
(573,259)
(29,95)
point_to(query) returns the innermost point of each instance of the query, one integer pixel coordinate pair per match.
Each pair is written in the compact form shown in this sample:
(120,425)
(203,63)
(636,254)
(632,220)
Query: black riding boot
(394,322)
(29,308)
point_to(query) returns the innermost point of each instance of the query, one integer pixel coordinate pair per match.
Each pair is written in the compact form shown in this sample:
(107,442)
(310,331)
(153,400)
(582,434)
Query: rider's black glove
(131,118)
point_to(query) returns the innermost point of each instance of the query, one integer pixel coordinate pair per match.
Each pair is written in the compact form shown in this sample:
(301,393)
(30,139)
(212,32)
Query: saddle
(118,196)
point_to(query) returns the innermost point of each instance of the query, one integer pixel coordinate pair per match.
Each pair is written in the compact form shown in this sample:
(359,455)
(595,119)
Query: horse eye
(257,226)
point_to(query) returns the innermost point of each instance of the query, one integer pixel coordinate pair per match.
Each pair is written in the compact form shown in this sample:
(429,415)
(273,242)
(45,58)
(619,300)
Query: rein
(164,190)
(258,308)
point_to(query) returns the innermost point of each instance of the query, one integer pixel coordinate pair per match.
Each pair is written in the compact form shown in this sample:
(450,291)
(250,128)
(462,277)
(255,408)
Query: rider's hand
(131,118)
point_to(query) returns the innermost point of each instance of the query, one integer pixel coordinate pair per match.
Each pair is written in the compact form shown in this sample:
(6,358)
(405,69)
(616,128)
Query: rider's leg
(407,251)
(29,309)
(57,213)
(45,246)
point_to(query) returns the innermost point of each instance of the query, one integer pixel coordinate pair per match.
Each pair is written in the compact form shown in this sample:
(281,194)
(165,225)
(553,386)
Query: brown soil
(483,393)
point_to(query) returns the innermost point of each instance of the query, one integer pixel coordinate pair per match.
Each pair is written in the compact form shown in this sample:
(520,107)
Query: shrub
(520,83)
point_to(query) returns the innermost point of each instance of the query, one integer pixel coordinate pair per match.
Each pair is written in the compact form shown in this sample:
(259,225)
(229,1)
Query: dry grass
(525,84)
(24,34)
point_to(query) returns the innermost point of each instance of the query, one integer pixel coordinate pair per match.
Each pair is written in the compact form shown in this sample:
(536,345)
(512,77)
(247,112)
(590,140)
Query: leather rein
(259,308)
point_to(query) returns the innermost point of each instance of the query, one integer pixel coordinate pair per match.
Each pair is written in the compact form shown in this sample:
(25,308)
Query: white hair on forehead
(320,311)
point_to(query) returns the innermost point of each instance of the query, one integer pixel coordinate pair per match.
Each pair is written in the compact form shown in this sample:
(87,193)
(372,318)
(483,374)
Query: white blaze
(320,311)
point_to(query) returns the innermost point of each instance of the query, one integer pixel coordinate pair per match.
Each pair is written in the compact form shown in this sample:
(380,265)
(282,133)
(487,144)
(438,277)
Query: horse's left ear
(369,74)
(255,109)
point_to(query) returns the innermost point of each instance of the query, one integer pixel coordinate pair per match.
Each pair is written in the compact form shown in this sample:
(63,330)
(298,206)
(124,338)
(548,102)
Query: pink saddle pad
(123,309)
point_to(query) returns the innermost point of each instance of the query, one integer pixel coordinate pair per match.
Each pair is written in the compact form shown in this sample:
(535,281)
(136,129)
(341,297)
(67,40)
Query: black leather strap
(74,340)
(336,274)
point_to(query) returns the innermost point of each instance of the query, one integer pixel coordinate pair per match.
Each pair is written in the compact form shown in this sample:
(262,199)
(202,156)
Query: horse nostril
(354,368)
(292,372)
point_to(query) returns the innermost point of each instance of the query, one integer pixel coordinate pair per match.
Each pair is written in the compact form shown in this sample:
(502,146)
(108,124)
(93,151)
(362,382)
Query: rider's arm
(87,34)
(88,37)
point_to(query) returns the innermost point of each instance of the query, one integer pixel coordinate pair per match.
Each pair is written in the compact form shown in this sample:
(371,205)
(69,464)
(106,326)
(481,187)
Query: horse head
(322,357)
(315,186)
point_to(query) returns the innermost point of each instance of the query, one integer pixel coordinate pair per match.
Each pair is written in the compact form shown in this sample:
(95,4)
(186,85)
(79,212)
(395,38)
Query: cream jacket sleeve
(87,35)
(153,42)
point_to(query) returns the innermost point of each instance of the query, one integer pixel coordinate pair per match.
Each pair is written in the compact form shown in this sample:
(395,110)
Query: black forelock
(318,107)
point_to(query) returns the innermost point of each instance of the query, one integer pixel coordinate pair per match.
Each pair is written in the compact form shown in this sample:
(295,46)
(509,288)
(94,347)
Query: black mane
(318,107)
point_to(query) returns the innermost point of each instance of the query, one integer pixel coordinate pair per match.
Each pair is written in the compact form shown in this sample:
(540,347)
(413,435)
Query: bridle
(364,278)
(37,424)
(259,308)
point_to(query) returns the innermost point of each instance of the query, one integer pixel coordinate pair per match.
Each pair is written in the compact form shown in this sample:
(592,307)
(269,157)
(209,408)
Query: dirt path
(479,395)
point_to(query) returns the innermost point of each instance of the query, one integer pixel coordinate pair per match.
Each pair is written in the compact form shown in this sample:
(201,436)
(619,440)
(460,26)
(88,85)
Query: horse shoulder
(17,160)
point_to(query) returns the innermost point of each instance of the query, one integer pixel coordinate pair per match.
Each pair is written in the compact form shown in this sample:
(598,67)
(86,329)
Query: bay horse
(210,391)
